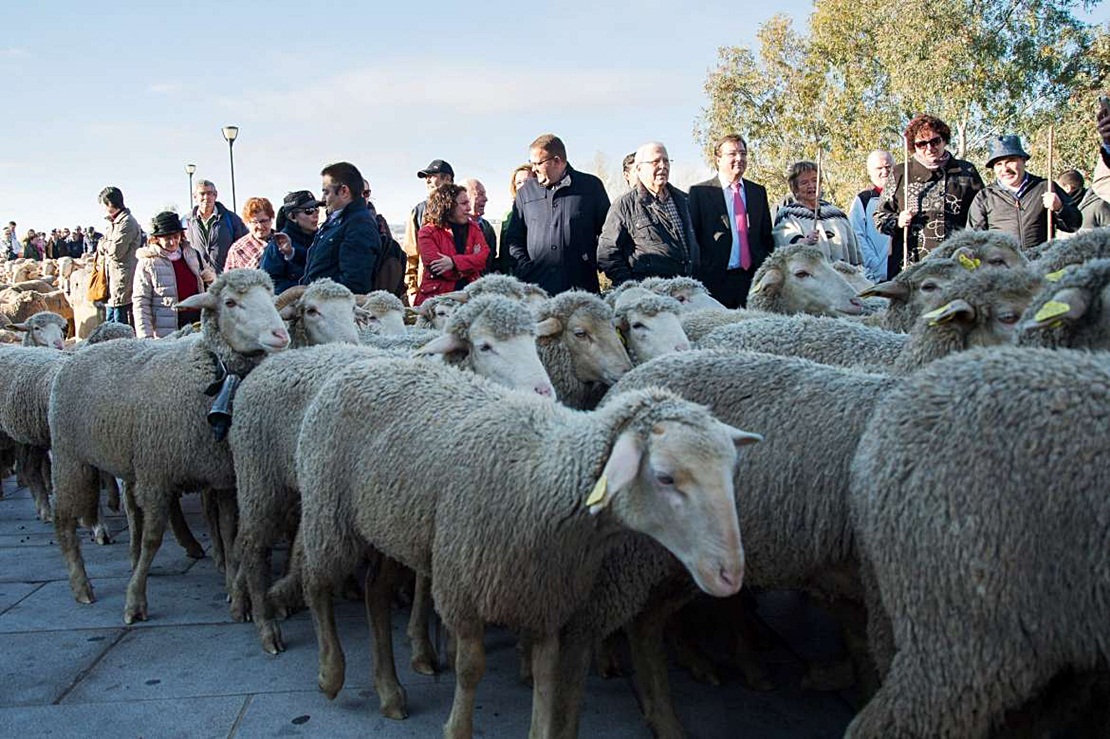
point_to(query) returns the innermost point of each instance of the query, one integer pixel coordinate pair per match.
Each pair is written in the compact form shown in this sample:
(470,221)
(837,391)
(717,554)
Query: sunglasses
(935,141)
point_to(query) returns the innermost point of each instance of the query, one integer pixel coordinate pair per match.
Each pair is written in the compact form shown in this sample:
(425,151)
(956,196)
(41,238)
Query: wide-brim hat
(300,200)
(1005,146)
(165,223)
(438,166)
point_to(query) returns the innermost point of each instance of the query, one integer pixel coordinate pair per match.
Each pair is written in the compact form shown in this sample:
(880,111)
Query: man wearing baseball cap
(1018,202)
(434,175)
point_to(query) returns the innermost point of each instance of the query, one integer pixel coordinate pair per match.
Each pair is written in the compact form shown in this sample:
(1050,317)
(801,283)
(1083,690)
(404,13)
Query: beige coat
(117,249)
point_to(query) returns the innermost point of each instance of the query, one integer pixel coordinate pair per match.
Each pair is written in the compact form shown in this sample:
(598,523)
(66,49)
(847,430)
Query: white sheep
(648,323)
(138,410)
(800,279)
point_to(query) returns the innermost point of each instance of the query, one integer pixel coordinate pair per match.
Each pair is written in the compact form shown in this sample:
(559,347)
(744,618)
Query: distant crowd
(563,232)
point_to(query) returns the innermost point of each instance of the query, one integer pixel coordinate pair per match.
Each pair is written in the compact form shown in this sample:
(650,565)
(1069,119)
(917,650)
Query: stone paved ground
(76,670)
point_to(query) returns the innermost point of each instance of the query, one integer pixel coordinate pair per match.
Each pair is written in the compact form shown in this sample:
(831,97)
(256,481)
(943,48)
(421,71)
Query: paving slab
(38,667)
(12,593)
(190,718)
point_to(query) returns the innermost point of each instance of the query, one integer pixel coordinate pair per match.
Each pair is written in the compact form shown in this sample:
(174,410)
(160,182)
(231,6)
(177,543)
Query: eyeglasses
(541,162)
(309,211)
(260,221)
(935,141)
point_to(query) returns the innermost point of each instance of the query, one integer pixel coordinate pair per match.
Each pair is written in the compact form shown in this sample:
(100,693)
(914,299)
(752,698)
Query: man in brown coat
(122,239)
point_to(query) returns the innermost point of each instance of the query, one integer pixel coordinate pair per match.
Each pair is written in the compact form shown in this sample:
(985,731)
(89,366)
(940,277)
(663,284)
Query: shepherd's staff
(1050,189)
(817,202)
(906,203)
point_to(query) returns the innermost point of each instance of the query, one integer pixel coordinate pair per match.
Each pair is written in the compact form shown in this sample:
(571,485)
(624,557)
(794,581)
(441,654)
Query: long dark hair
(440,204)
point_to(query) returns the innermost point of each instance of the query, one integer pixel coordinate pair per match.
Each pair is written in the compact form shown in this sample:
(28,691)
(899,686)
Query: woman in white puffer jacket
(169,270)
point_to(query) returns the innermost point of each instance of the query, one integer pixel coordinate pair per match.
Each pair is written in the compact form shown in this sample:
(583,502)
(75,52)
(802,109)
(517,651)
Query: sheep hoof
(239,608)
(101,535)
(828,677)
(271,638)
(83,593)
(134,612)
(331,681)
(609,668)
(46,515)
(423,664)
(393,703)
(194,551)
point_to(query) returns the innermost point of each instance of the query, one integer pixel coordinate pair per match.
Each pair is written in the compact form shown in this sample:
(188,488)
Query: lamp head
(230,132)
(190,168)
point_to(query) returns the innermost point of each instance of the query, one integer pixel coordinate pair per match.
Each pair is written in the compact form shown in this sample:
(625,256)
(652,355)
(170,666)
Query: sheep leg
(212,518)
(649,665)
(154,526)
(287,594)
(229,526)
(608,661)
(524,649)
(545,676)
(379,598)
(76,487)
(182,533)
(687,653)
(134,523)
(470,665)
(575,650)
(333,666)
(424,658)
(843,673)
(102,535)
(29,468)
(108,483)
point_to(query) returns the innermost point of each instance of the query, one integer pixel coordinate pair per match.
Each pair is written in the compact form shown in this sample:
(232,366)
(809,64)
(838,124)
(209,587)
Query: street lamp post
(189,170)
(230,134)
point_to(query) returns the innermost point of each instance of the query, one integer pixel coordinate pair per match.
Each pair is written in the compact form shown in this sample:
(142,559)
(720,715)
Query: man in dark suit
(732,222)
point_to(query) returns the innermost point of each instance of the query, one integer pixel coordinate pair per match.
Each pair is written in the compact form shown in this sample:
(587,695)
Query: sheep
(1072,312)
(691,293)
(489,336)
(911,293)
(579,347)
(507,286)
(1053,256)
(410,341)
(700,323)
(85,314)
(979,499)
(18,306)
(110,331)
(853,275)
(28,269)
(800,279)
(648,324)
(138,411)
(382,311)
(43,329)
(991,248)
(433,312)
(793,511)
(982,308)
(630,454)
(319,313)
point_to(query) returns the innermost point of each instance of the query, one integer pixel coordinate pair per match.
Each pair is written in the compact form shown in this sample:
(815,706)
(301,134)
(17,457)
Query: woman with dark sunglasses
(939,187)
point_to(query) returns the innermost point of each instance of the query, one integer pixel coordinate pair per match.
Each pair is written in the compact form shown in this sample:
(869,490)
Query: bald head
(653,166)
(879,166)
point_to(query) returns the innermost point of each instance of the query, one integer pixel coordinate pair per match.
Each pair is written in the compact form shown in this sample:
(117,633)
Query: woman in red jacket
(451,245)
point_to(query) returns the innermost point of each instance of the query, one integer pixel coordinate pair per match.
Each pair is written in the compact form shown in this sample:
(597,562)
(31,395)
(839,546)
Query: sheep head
(238,319)
(800,279)
(583,323)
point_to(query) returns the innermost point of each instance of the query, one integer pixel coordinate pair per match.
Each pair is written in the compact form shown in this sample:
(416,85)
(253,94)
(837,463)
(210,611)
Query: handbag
(98,282)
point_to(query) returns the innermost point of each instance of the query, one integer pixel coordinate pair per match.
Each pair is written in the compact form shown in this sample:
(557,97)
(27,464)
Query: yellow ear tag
(1051,309)
(599,493)
(934,315)
(968,263)
(1055,276)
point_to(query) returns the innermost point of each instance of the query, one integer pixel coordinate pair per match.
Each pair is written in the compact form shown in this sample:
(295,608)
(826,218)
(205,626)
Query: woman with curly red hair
(450,243)
(258,215)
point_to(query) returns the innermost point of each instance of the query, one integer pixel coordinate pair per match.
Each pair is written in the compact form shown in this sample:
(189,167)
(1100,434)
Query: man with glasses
(941,189)
(212,228)
(347,246)
(555,222)
(435,174)
(874,246)
(732,223)
(648,232)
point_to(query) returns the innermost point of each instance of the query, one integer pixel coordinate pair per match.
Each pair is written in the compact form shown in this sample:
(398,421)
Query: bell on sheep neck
(219,416)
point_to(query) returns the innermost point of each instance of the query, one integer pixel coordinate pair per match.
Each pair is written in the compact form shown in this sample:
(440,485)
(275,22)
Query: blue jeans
(119,314)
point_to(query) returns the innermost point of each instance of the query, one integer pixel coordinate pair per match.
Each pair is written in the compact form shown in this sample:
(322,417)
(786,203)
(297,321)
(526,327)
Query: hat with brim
(165,223)
(1006,146)
(438,166)
(300,200)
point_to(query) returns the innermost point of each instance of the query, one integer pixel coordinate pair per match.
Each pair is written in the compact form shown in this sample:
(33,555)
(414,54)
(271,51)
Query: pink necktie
(741,227)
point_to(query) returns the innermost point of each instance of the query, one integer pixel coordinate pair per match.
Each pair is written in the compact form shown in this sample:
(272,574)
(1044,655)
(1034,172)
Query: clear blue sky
(127,93)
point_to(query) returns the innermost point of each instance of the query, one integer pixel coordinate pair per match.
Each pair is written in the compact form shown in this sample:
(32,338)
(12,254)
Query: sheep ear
(620,470)
(549,327)
(771,278)
(1069,304)
(18,326)
(287,312)
(410,311)
(965,257)
(459,296)
(444,344)
(200,301)
(957,309)
(891,289)
(742,438)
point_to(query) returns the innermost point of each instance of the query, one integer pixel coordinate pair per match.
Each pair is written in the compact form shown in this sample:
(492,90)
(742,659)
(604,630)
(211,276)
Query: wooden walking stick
(817,201)
(906,203)
(1050,187)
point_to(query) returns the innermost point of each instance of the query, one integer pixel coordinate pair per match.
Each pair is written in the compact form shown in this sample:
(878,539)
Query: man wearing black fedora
(1017,202)
(435,174)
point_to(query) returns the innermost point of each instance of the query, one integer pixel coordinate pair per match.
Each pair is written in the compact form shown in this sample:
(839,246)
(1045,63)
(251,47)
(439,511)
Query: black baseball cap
(438,166)
(300,200)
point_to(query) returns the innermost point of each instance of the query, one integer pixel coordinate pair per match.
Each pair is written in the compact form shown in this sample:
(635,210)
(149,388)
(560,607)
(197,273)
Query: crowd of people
(562,229)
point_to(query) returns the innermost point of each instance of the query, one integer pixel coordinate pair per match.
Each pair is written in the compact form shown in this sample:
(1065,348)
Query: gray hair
(205,183)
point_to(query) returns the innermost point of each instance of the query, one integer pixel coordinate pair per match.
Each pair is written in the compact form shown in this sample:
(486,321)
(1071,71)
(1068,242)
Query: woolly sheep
(853,275)
(138,411)
(991,248)
(800,279)
(320,313)
(434,312)
(1053,256)
(43,329)
(382,311)
(489,336)
(410,341)
(507,286)
(795,481)
(525,499)
(982,512)
(110,331)
(982,308)
(648,323)
(911,293)
(1073,312)
(700,323)
(18,306)
(691,293)
(579,347)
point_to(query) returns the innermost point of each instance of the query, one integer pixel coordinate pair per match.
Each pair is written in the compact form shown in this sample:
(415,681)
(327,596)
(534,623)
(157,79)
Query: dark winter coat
(640,241)
(287,272)
(1025,218)
(226,230)
(346,249)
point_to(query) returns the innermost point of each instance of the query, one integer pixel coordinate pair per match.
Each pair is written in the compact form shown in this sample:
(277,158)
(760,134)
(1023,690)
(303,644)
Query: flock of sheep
(931,465)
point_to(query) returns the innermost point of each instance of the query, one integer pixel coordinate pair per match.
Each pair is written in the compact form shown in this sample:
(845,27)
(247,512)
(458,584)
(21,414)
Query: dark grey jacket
(1095,210)
(996,209)
(227,229)
(638,239)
